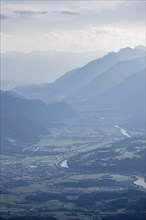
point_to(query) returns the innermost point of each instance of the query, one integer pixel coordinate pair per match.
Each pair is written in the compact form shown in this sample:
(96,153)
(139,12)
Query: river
(123,131)
(140,182)
(64,164)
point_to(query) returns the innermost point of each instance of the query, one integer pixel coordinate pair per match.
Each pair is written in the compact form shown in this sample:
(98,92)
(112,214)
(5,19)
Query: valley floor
(85,168)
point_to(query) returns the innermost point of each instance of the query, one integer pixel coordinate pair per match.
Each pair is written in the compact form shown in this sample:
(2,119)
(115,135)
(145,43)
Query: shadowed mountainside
(25,120)
(83,81)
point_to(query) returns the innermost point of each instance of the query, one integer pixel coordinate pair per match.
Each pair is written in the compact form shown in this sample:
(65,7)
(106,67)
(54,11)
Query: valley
(74,149)
(73,110)
(84,168)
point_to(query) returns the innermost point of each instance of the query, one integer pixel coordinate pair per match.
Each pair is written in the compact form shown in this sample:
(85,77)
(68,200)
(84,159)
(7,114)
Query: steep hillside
(118,94)
(112,77)
(126,98)
(34,110)
(19,129)
(26,120)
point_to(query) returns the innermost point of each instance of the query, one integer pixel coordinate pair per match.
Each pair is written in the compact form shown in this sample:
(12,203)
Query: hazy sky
(75,26)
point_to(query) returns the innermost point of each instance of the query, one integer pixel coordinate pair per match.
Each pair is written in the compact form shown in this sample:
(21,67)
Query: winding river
(140,182)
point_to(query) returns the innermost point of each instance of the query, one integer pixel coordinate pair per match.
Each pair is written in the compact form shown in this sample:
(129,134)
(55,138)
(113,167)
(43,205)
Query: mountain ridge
(27,119)
(81,77)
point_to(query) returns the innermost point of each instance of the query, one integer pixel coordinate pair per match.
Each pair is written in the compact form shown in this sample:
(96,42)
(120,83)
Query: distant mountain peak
(140,47)
(121,51)
(125,50)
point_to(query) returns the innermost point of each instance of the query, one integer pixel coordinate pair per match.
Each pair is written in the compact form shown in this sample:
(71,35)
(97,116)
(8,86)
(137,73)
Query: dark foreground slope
(26,120)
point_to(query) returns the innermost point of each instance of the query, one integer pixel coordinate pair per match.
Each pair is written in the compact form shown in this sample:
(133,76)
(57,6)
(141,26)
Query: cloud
(66,12)
(73,26)
(43,12)
(89,39)
(28,12)
(24,12)
(3,16)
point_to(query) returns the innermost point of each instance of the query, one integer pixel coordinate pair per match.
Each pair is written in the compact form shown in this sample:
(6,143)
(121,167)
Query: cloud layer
(72,25)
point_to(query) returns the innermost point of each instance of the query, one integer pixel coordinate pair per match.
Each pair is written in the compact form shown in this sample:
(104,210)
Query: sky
(73,26)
